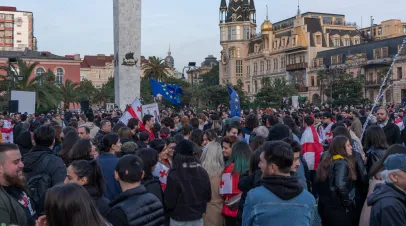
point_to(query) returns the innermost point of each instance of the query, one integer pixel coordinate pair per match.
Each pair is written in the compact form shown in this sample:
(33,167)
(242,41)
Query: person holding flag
(132,111)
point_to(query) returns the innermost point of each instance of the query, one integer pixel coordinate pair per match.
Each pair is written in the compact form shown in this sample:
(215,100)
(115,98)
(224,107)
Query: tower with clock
(237,21)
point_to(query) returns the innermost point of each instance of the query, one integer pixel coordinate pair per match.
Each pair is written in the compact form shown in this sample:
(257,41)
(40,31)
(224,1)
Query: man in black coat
(392,131)
(135,206)
(388,200)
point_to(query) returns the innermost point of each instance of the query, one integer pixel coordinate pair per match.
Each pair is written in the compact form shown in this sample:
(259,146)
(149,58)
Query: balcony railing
(297,66)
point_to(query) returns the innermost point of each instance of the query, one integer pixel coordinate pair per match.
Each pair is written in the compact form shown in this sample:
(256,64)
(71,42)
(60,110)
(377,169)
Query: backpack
(39,184)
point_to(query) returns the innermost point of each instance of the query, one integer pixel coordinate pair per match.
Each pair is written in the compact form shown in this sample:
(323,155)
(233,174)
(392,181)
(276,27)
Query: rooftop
(99,60)
(30,54)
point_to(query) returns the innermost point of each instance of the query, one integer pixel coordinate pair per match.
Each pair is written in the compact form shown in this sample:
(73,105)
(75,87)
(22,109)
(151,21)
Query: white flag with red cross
(161,171)
(7,132)
(133,111)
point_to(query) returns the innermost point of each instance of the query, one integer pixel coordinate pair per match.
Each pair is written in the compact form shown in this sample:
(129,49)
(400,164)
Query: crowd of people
(307,167)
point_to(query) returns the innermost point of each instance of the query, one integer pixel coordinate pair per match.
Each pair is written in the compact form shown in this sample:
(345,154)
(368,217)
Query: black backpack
(39,184)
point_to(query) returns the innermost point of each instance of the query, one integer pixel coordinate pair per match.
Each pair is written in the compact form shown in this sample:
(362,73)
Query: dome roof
(169,61)
(266,26)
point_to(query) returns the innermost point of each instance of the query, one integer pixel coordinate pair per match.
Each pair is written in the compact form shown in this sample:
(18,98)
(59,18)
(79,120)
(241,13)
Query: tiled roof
(342,32)
(96,61)
(368,48)
(29,54)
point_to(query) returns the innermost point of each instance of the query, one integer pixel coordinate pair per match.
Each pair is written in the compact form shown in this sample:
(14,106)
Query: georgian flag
(326,134)
(161,171)
(399,123)
(311,147)
(133,111)
(229,181)
(7,132)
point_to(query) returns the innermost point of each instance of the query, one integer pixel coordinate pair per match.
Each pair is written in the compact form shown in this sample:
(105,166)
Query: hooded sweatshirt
(388,206)
(93,129)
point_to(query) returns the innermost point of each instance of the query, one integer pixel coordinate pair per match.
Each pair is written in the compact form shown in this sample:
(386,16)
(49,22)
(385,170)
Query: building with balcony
(282,49)
(196,75)
(16,30)
(370,61)
(97,69)
(387,29)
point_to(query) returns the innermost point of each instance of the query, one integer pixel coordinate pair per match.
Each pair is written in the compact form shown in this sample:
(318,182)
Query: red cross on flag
(7,132)
(161,171)
(134,111)
(229,181)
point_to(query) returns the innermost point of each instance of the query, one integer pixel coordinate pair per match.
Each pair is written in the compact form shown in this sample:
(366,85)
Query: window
(294,41)
(223,33)
(18,33)
(339,20)
(229,33)
(1,40)
(312,81)
(246,32)
(268,65)
(385,52)
(18,41)
(8,25)
(234,17)
(255,68)
(336,42)
(233,33)
(1,15)
(255,86)
(371,94)
(39,72)
(249,90)
(380,31)
(399,73)
(238,68)
(261,66)
(8,16)
(277,66)
(339,59)
(315,63)
(404,29)
(238,52)
(18,25)
(238,33)
(59,75)
(356,41)
(377,54)
(347,42)
(327,20)
(9,41)
(8,33)
(283,42)
(318,39)
(320,62)
(82,76)
(334,60)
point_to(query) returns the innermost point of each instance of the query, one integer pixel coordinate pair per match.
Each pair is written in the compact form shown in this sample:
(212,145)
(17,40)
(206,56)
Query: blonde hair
(212,159)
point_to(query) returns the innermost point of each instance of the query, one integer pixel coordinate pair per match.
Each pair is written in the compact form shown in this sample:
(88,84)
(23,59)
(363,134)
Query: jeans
(186,223)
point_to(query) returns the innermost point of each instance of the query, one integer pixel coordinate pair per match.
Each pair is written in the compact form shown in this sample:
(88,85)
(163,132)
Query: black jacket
(388,206)
(24,142)
(373,155)
(245,184)
(136,207)
(153,186)
(99,137)
(335,191)
(17,130)
(101,203)
(38,158)
(392,133)
(187,193)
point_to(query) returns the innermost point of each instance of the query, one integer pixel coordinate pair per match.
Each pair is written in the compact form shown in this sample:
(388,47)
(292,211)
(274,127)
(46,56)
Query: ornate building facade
(97,69)
(281,50)
(195,75)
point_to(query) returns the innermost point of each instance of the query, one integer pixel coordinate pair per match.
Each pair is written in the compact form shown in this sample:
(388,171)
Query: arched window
(39,72)
(59,75)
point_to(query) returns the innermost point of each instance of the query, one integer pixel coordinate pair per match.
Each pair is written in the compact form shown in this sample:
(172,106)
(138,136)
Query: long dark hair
(254,161)
(91,170)
(342,131)
(68,141)
(378,166)
(257,142)
(80,151)
(197,137)
(375,138)
(70,204)
(108,141)
(149,159)
(240,156)
(337,147)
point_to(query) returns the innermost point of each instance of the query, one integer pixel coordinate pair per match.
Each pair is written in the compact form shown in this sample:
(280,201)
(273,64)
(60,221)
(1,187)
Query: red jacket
(151,133)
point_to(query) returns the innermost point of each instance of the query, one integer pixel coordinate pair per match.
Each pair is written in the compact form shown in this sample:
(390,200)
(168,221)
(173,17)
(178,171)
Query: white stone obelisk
(127,51)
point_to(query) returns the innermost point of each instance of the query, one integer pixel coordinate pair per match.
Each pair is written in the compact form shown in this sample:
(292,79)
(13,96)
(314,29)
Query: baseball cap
(395,161)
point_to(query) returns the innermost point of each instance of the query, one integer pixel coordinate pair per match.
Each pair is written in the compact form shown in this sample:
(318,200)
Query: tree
(272,94)
(155,69)
(68,91)
(346,90)
(106,93)
(211,78)
(86,91)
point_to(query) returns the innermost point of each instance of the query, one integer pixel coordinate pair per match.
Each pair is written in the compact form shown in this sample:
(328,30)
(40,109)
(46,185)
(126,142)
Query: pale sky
(190,26)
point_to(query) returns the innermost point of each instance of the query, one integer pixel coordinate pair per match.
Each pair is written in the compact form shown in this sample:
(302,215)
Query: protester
(90,124)
(133,124)
(128,148)
(135,206)
(89,175)
(280,197)
(334,183)
(388,199)
(149,159)
(197,137)
(375,144)
(257,142)
(125,134)
(188,188)
(376,178)
(356,125)
(16,207)
(68,141)
(107,160)
(237,157)
(84,132)
(70,204)
(148,125)
(83,149)
(105,128)
(213,162)
(390,129)
(24,142)
(326,133)
(42,168)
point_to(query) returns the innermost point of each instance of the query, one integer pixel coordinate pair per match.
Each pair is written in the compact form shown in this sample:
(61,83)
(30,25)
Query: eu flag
(235,107)
(171,92)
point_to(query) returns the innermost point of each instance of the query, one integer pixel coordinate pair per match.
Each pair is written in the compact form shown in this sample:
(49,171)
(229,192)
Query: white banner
(151,109)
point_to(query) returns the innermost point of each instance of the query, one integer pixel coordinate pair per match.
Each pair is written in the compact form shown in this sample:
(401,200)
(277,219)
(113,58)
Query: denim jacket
(262,207)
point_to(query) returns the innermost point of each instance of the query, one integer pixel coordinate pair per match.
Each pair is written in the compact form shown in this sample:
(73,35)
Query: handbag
(234,202)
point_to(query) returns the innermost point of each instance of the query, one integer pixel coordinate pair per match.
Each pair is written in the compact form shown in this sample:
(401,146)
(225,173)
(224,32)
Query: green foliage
(155,69)
(106,93)
(211,78)
(86,91)
(68,92)
(273,92)
(346,90)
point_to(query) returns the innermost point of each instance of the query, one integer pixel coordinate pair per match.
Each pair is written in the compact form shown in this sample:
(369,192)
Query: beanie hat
(129,147)
(278,132)
(185,147)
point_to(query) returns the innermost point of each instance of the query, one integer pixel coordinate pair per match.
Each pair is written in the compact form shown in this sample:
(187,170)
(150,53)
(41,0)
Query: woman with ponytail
(89,175)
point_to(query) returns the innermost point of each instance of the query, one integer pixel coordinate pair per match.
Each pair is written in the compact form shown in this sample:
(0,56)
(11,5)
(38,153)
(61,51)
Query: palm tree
(21,75)
(155,69)
(68,92)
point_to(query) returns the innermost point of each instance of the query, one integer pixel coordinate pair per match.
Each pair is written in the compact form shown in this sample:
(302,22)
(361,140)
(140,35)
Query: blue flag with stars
(235,107)
(171,92)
